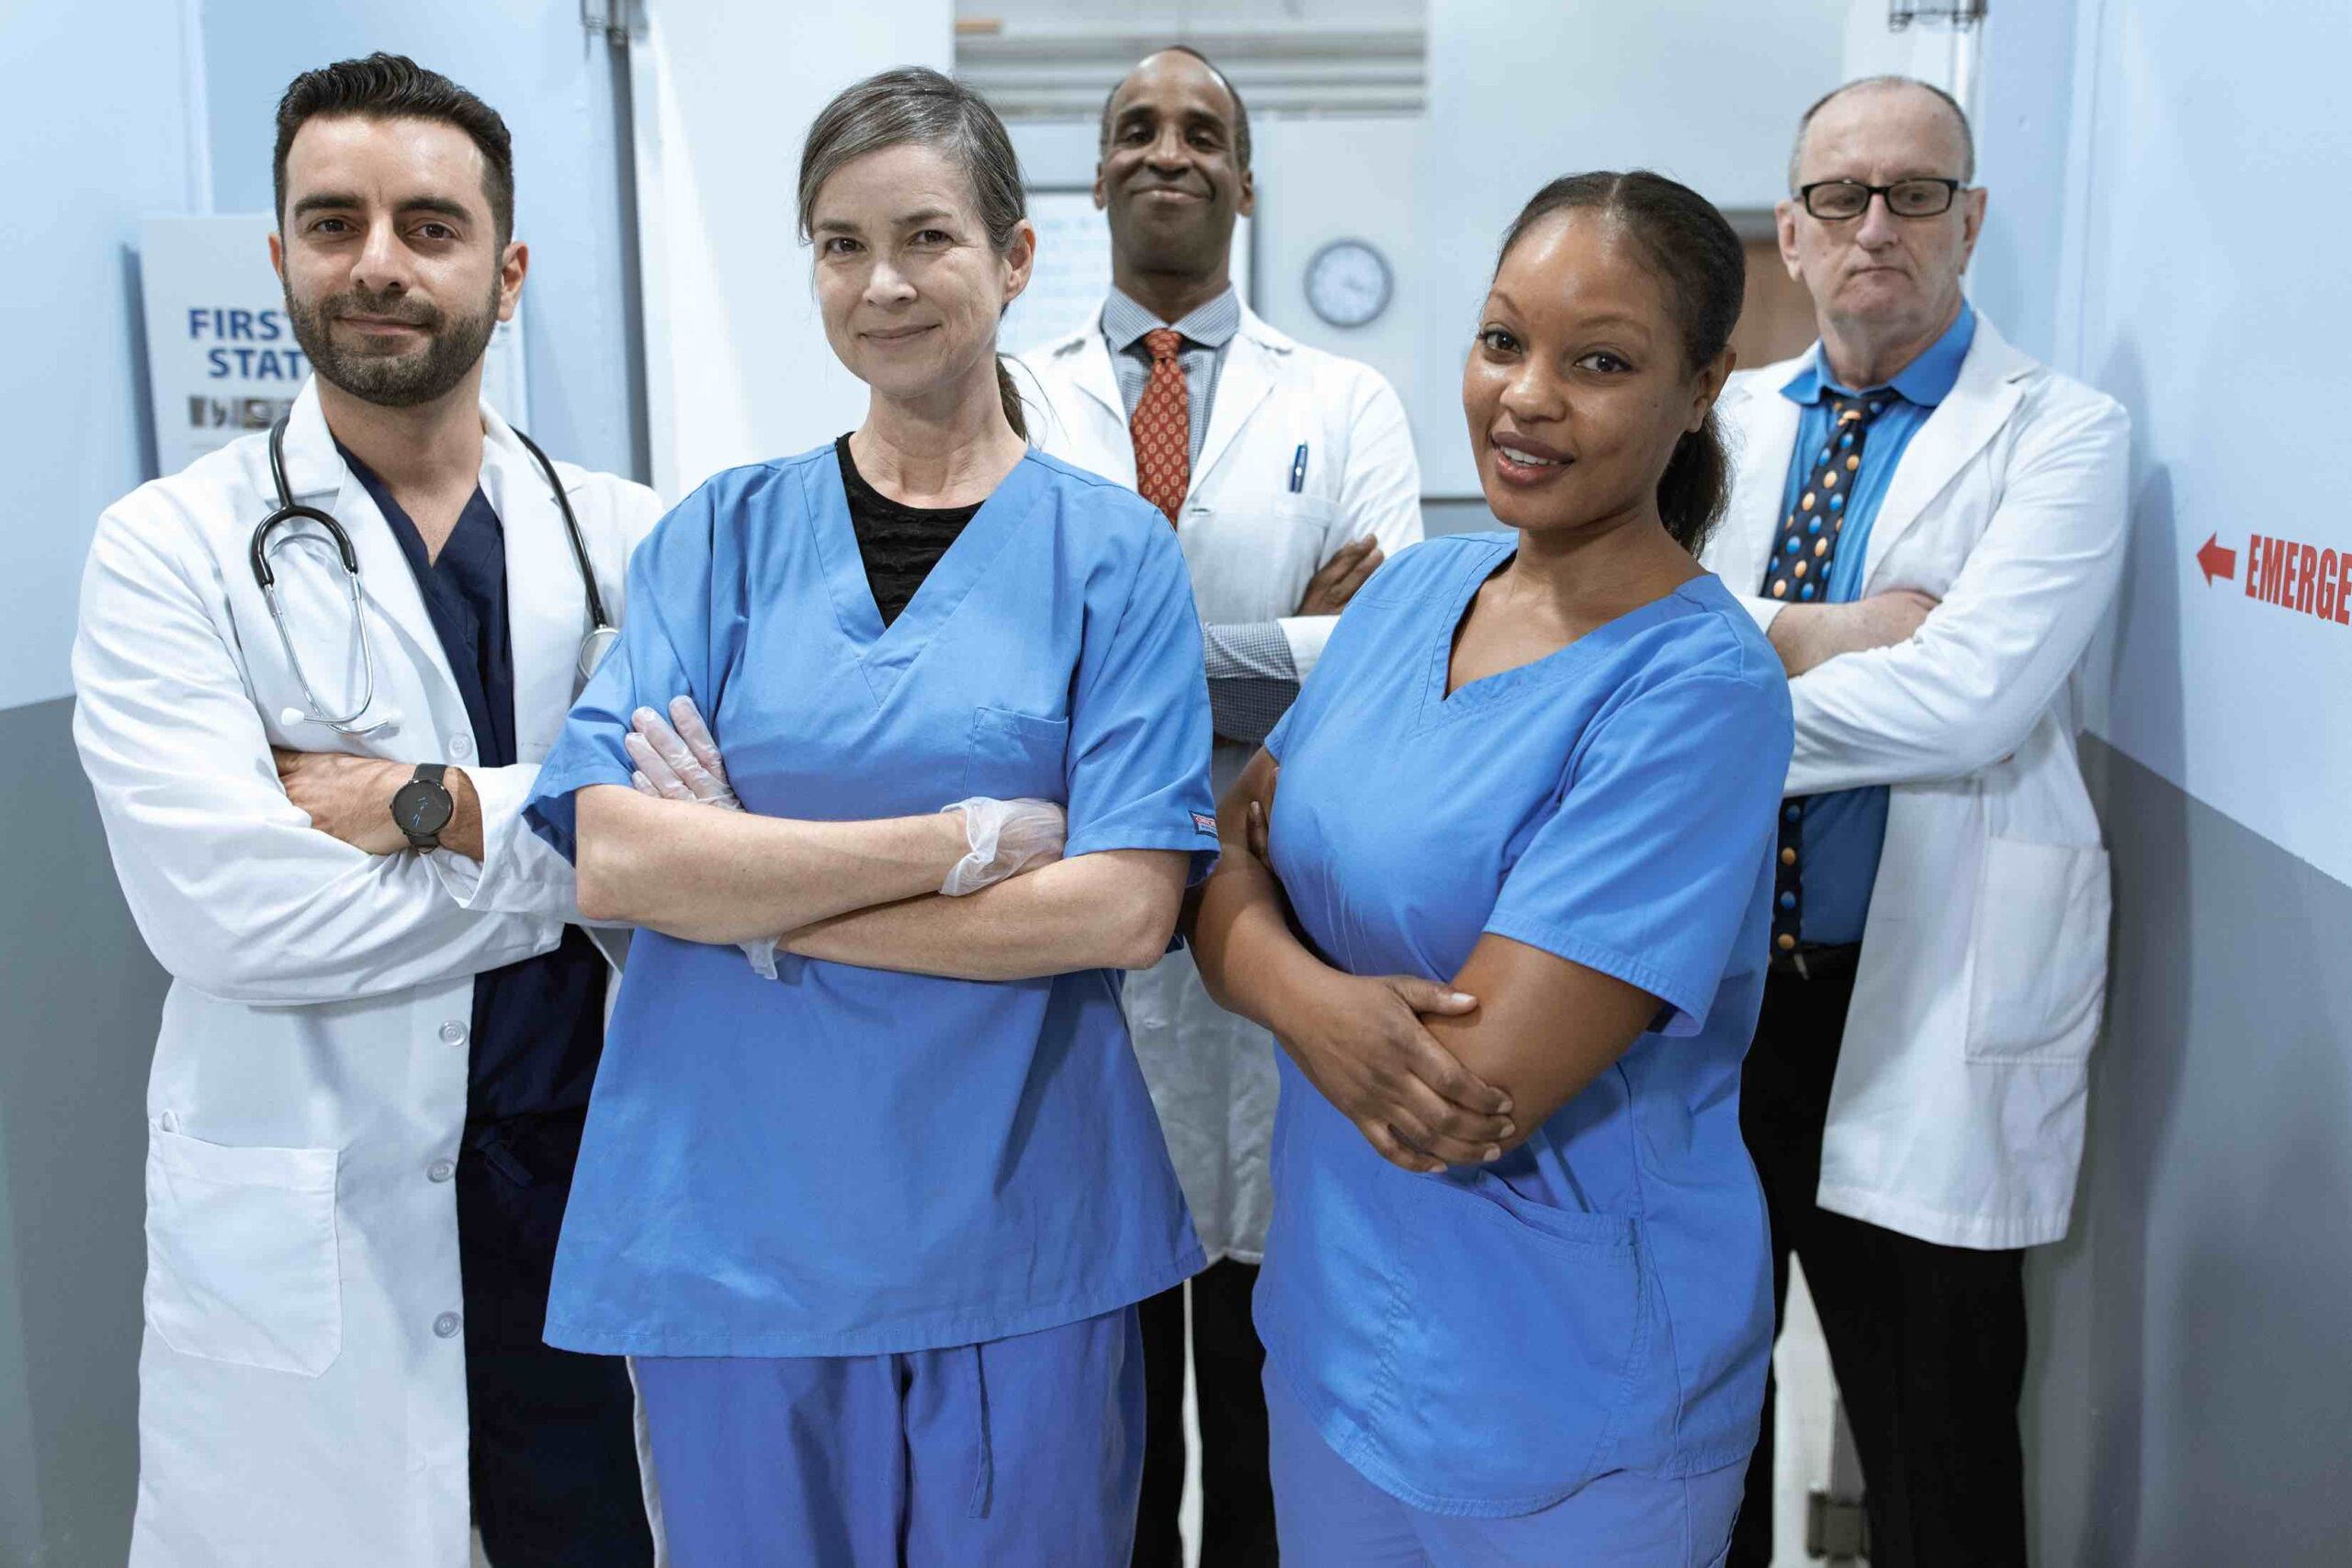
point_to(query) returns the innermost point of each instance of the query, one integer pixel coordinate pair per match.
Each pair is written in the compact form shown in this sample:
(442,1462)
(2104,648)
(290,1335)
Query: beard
(453,346)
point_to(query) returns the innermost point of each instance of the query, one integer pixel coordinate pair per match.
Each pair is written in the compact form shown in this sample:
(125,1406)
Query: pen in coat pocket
(1298,469)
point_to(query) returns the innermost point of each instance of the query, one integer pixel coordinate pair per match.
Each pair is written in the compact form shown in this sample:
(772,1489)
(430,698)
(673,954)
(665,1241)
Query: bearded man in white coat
(1288,475)
(384,1019)
(1929,525)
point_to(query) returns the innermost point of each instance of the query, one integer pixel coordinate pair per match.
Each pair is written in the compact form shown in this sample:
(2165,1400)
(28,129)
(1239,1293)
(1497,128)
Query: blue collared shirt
(1843,832)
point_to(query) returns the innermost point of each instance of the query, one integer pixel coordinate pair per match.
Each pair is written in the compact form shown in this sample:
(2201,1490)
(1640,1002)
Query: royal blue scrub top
(1484,1341)
(849,1161)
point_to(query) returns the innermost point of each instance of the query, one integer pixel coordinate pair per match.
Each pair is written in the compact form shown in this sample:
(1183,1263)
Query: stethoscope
(599,641)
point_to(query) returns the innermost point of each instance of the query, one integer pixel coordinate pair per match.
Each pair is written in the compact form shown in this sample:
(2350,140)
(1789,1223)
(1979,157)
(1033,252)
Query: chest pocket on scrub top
(1012,755)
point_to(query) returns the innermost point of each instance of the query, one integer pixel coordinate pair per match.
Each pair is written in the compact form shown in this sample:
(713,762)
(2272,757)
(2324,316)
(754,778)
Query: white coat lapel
(318,476)
(547,610)
(1252,360)
(1766,431)
(1082,397)
(1981,402)
(1091,369)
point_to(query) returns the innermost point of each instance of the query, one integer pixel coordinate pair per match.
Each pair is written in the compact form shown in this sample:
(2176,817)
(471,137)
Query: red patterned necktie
(1162,426)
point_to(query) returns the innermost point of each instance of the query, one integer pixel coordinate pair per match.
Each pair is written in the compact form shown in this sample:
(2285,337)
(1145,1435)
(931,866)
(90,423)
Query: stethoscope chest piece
(592,649)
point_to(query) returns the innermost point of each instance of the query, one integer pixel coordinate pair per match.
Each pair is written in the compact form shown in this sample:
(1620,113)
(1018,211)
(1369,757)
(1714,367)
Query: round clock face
(1348,283)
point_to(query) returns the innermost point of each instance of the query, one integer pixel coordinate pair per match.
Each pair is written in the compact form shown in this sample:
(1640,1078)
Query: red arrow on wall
(2216,562)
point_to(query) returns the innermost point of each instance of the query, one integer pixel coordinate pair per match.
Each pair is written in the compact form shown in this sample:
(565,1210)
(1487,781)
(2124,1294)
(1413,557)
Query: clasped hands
(1365,1042)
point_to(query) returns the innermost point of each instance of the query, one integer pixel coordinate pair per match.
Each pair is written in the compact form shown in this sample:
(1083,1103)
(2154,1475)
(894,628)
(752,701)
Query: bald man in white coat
(1929,525)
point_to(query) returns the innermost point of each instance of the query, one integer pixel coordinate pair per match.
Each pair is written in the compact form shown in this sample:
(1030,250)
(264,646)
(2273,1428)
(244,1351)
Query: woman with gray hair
(873,1210)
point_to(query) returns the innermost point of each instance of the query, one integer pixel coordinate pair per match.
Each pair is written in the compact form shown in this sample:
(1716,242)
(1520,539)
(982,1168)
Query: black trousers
(1237,1491)
(1927,1342)
(553,1434)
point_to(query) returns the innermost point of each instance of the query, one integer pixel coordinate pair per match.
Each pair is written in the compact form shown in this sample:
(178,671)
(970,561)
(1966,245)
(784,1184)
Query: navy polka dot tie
(1799,572)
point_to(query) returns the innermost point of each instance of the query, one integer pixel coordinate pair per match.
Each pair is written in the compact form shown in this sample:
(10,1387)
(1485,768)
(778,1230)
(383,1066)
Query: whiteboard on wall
(1073,269)
(222,360)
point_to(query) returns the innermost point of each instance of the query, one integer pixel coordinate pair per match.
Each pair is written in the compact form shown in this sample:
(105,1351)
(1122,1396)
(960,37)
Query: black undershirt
(899,544)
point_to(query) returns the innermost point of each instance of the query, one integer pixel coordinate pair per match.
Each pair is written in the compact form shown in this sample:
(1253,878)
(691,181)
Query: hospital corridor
(1175,783)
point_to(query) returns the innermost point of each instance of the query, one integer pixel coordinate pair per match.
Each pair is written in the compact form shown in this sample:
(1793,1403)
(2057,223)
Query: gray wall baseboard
(82,997)
(2191,1343)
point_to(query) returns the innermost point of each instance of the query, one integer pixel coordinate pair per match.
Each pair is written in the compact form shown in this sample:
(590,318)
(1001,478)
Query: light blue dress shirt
(1843,832)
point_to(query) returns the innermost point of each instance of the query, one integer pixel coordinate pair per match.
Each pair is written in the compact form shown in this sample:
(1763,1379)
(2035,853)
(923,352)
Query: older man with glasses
(1928,525)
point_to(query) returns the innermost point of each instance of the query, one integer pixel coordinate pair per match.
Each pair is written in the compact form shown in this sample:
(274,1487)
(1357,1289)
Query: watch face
(1348,283)
(420,808)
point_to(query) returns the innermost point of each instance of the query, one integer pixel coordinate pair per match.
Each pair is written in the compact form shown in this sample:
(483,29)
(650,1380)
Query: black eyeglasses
(1834,201)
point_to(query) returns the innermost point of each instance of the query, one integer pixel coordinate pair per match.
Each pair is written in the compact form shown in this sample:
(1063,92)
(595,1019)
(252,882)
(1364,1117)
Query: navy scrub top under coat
(538,1024)
(1484,1341)
(848,1161)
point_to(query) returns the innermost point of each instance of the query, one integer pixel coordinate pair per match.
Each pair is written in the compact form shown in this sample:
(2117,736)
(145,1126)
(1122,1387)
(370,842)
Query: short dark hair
(1705,267)
(1240,109)
(393,86)
(1959,115)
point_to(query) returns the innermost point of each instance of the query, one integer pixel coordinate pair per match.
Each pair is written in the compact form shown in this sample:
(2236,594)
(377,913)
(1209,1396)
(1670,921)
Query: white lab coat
(1252,546)
(302,1395)
(1956,1114)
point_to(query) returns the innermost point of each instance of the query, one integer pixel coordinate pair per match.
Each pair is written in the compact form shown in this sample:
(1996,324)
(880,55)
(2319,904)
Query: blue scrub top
(851,1161)
(1484,1341)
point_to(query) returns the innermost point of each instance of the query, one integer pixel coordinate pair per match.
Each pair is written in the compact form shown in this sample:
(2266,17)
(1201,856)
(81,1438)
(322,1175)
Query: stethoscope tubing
(601,635)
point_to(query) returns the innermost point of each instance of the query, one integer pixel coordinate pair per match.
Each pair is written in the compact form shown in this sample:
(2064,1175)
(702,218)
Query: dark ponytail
(1012,396)
(1705,271)
(915,103)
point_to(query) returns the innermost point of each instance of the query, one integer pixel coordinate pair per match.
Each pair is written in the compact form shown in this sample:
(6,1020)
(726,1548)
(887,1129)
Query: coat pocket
(1253,553)
(1016,755)
(1524,1329)
(241,1262)
(2039,973)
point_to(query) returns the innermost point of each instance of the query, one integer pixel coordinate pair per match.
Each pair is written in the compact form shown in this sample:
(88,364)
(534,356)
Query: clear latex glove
(678,760)
(678,755)
(1006,838)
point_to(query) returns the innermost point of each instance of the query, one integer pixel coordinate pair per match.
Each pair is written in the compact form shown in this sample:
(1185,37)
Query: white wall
(1329,178)
(2158,226)
(737,366)
(73,402)
(2209,293)
(1707,91)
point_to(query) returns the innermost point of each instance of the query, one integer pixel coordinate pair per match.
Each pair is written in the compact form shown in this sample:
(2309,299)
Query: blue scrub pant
(1329,1516)
(1015,1452)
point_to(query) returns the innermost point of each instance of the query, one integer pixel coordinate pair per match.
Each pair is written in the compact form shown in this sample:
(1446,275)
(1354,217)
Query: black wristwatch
(421,806)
